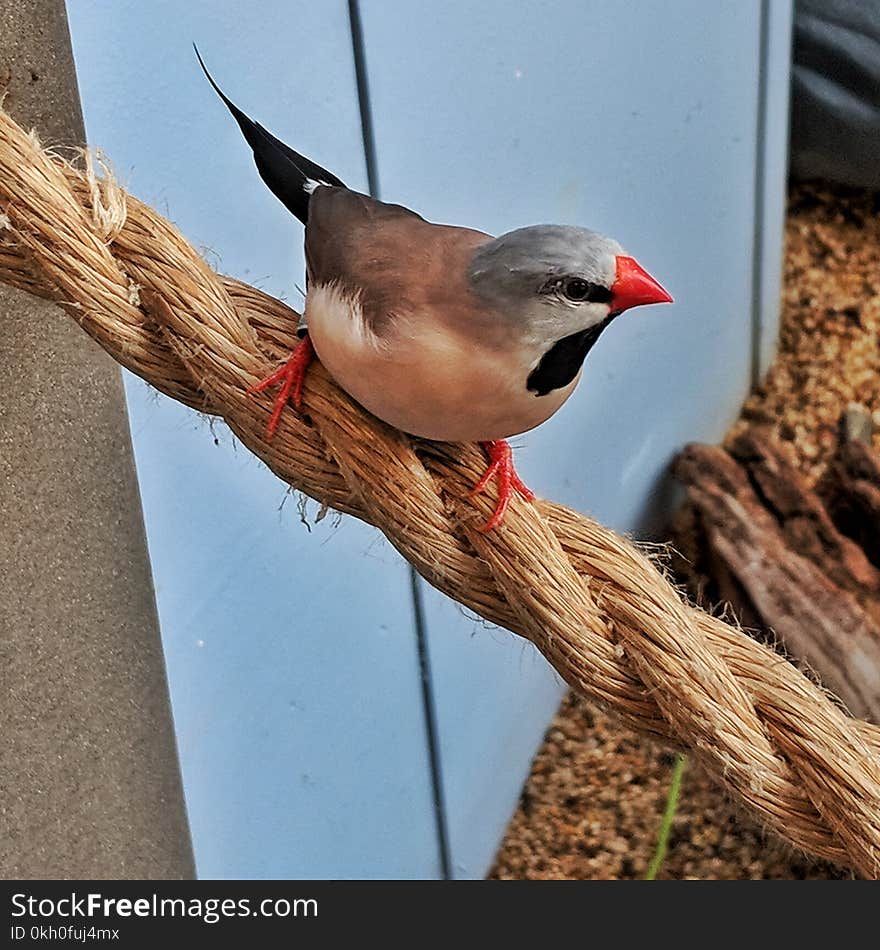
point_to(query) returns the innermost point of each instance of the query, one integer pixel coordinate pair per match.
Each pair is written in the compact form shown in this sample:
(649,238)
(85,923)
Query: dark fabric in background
(835,121)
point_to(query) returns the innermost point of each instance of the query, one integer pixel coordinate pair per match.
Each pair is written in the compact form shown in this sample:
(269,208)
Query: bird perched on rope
(443,332)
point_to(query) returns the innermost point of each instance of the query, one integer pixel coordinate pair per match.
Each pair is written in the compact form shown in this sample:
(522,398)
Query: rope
(600,610)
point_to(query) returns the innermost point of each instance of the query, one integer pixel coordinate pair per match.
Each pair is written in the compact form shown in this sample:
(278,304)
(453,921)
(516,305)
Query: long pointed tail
(291,177)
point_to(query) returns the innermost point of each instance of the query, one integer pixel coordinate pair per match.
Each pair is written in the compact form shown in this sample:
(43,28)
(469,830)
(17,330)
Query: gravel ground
(596,794)
(828,348)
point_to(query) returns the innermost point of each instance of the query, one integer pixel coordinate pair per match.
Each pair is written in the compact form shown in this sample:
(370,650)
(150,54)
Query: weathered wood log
(850,489)
(803,518)
(817,620)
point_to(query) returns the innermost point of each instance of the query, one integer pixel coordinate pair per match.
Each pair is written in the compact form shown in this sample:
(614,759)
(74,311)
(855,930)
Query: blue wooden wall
(293,653)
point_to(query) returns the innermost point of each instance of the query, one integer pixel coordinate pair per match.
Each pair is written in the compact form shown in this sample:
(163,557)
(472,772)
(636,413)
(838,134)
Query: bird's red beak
(634,286)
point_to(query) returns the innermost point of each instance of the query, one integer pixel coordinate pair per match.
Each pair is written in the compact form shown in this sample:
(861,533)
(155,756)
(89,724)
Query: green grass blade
(668,818)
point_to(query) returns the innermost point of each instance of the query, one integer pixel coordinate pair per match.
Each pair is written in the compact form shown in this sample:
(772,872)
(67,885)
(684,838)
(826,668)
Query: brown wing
(399,262)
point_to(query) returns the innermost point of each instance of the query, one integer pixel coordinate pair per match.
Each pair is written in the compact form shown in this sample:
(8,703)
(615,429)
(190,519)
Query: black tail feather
(289,175)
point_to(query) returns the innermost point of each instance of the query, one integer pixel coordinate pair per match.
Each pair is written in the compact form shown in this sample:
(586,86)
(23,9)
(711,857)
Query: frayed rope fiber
(597,608)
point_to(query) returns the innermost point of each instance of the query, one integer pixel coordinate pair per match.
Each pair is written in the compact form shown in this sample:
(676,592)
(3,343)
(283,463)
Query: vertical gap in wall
(428,705)
(363,90)
(759,209)
(431,729)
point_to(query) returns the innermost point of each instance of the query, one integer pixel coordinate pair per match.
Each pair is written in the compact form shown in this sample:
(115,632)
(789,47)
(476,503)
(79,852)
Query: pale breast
(437,385)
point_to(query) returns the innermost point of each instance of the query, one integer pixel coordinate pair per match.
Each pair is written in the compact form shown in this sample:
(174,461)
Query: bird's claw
(501,471)
(292,376)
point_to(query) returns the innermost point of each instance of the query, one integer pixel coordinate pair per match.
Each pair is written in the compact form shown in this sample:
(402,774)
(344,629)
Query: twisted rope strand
(596,607)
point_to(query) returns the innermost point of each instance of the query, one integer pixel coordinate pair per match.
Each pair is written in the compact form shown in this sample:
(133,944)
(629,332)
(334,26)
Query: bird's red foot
(292,375)
(501,470)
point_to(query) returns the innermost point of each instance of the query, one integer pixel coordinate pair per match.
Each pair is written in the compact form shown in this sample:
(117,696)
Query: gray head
(559,286)
(553,279)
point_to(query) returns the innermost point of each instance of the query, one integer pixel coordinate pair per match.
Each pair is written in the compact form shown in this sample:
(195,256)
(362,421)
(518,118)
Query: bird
(444,332)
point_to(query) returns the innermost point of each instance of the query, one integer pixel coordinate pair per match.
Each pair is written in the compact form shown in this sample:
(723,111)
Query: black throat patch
(560,364)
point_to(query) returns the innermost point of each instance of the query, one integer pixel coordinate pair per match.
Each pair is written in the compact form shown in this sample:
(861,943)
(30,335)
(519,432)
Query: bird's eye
(577,289)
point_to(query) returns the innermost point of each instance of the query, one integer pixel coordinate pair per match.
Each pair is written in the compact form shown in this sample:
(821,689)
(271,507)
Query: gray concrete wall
(89,777)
